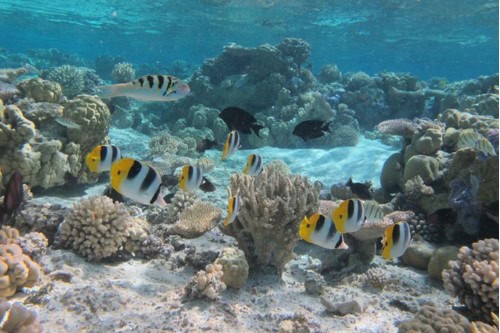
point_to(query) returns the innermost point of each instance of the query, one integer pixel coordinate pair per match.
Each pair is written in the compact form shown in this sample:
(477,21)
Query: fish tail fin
(226,221)
(161,202)
(326,126)
(109,91)
(349,182)
(256,128)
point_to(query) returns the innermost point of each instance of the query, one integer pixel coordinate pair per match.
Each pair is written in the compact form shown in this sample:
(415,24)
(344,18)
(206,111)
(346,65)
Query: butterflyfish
(321,231)
(101,158)
(190,178)
(232,144)
(396,240)
(254,165)
(233,208)
(137,181)
(349,216)
(149,88)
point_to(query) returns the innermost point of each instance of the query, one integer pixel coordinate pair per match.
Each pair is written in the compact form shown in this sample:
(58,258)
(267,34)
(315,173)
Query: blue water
(446,38)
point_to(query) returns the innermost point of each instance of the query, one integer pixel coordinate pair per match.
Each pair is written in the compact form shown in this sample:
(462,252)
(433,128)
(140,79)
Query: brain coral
(473,277)
(41,90)
(431,319)
(17,270)
(96,227)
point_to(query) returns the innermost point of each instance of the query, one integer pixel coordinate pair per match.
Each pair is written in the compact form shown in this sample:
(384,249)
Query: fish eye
(308,225)
(93,159)
(341,215)
(118,173)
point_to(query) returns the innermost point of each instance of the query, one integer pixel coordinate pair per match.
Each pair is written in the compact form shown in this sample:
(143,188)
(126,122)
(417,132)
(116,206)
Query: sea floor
(147,296)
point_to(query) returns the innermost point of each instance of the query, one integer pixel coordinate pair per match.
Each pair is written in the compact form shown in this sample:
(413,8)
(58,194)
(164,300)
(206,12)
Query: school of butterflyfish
(139,181)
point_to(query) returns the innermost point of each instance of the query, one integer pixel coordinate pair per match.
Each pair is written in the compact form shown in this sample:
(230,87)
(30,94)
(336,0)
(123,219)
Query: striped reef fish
(468,138)
(396,240)
(232,144)
(149,88)
(190,178)
(349,216)
(484,146)
(373,212)
(101,158)
(137,181)
(321,231)
(66,122)
(254,165)
(233,208)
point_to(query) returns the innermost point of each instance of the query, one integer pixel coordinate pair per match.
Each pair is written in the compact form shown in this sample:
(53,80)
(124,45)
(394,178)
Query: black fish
(240,120)
(13,197)
(206,144)
(311,129)
(169,180)
(360,189)
(207,185)
(168,198)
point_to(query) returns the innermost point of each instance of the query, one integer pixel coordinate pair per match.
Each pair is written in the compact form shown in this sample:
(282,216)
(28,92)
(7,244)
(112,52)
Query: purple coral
(492,136)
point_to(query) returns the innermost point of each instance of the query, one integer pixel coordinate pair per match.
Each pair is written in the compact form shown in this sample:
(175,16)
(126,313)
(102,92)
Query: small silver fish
(66,122)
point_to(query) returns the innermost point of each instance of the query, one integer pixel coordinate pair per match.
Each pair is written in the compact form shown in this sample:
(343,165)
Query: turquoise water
(446,38)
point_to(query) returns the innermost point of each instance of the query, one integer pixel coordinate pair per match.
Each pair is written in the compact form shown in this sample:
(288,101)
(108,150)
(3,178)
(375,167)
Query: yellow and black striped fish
(321,231)
(396,240)
(190,178)
(102,157)
(254,165)
(137,181)
(349,216)
(373,212)
(484,146)
(233,208)
(162,88)
(232,144)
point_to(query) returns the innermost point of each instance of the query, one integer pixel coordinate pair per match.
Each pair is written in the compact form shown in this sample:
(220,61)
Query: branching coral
(273,205)
(207,283)
(96,227)
(71,79)
(473,277)
(17,270)
(123,72)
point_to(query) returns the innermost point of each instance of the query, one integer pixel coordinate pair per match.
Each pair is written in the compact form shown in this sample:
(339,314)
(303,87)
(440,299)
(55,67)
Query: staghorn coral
(15,318)
(17,270)
(123,72)
(41,90)
(235,267)
(402,127)
(196,220)
(473,277)
(273,205)
(96,228)
(207,283)
(71,79)
(431,319)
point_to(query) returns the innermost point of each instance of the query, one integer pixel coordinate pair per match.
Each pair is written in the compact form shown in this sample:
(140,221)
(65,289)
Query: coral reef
(207,283)
(123,72)
(195,220)
(432,319)
(71,79)
(17,270)
(16,318)
(96,228)
(273,205)
(403,127)
(235,267)
(473,277)
(41,90)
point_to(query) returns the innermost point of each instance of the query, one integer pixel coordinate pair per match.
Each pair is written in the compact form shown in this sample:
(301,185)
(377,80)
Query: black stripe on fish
(141,81)
(134,170)
(259,163)
(151,80)
(396,234)
(148,180)
(350,208)
(339,242)
(103,153)
(234,205)
(168,85)
(331,231)
(319,224)
(190,173)
(114,153)
(155,196)
(360,210)
(161,79)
